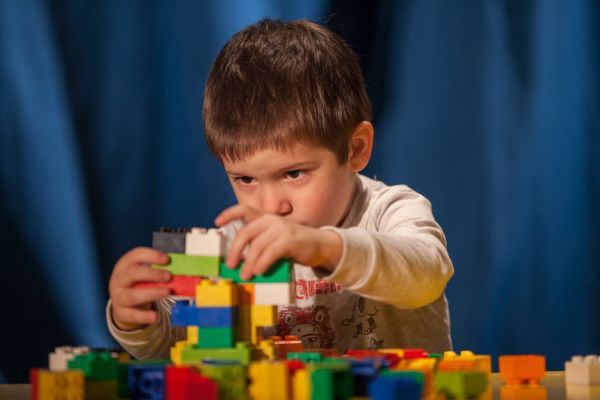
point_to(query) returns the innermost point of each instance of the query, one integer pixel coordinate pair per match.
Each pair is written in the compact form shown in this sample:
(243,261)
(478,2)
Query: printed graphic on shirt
(363,322)
(305,289)
(312,325)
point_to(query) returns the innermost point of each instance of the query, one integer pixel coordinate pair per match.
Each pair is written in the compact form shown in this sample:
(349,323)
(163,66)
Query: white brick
(59,359)
(273,293)
(583,370)
(202,242)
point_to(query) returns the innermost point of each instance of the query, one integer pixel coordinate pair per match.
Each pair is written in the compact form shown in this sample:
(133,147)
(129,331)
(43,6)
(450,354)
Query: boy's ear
(360,146)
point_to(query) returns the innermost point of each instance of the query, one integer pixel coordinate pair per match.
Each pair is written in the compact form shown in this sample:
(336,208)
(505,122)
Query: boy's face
(304,184)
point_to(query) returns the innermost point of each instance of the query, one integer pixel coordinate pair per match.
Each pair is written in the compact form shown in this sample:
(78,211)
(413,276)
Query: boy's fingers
(278,249)
(244,237)
(140,296)
(260,243)
(245,213)
(142,255)
(142,273)
(136,316)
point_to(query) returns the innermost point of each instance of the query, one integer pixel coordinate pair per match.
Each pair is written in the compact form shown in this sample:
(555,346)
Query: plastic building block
(285,345)
(280,272)
(269,381)
(96,366)
(58,360)
(191,334)
(245,293)
(518,369)
(457,365)
(47,384)
(33,382)
(216,294)
(180,285)
(244,323)
(215,338)
(393,387)
(183,314)
(186,383)
(169,240)
(301,385)
(461,384)
(331,381)
(202,242)
(274,293)
(306,356)
(530,392)
(184,264)
(481,362)
(146,381)
(263,315)
(185,354)
(583,370)
(229,375)
(101,390)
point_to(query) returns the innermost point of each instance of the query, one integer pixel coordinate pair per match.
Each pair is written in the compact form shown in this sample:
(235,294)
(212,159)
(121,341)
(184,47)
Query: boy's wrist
(332,247)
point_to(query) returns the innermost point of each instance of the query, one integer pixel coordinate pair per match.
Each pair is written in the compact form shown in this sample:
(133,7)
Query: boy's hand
(272,237)
(131,308)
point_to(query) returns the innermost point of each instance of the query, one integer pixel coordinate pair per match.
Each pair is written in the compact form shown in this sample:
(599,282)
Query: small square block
(216,294)
(216,338)
(184,264)
(274,293)
(278,272)
(202,242)
(169,242)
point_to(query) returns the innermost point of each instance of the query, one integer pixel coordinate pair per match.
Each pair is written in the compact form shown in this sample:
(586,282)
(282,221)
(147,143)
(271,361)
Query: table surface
(553,388)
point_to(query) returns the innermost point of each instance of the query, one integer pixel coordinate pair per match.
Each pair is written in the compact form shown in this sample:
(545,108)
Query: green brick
(194,355)
(96,366)
(215,338)
(231,379)
(184,264)
(279,272)
(461,384)
(306,356)
(330,381)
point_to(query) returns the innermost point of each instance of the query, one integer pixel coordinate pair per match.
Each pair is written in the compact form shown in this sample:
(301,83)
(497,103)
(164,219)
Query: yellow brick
(261,316)
(268,381)
(482,362)
(301,386)
(216,294)
(65,384)
(192,334)
(176,352)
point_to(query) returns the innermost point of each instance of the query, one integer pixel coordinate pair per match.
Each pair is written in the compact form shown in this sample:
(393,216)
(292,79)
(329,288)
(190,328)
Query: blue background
(489,108)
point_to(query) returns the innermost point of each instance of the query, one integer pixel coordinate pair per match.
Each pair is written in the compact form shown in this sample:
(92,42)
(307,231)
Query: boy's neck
(350,201)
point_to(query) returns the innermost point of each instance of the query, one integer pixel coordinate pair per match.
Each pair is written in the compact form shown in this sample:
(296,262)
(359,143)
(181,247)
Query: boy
(287,113)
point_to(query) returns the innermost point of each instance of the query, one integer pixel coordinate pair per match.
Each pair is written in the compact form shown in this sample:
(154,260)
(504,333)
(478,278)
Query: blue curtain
(488,108)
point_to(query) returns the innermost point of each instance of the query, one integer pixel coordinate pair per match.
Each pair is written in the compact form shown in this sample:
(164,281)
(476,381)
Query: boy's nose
(276,205)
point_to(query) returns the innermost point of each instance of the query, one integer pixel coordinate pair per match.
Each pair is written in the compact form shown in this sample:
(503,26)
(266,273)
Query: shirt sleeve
(403,260)
(153,341)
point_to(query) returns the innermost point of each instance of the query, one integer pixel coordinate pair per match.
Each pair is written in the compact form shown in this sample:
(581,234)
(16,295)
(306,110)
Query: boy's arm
(404,262)
(153,341)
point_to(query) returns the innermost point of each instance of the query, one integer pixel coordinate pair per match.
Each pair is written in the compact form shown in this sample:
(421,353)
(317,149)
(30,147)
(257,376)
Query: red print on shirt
(307,289)
(312,325)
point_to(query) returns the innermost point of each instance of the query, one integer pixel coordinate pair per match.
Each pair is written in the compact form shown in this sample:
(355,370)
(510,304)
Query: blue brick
(391,387)
(146,382)
(184,314)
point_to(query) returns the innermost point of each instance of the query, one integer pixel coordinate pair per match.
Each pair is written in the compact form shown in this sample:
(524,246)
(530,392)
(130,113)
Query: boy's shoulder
(377,204)
(378,192)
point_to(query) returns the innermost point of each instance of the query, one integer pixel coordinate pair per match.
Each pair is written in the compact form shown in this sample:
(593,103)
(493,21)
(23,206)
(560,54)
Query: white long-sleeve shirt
(387,290)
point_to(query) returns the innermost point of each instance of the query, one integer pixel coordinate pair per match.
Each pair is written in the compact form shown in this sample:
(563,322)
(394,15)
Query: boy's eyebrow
(290,167)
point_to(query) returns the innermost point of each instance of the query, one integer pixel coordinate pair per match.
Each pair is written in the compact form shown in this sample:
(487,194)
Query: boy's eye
(295,174)
(245,179)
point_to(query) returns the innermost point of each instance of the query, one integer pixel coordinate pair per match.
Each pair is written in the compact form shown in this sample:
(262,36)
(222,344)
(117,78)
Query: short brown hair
(275,82)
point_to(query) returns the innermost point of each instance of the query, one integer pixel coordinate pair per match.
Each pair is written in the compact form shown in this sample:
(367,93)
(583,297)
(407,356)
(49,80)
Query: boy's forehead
(269,160)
